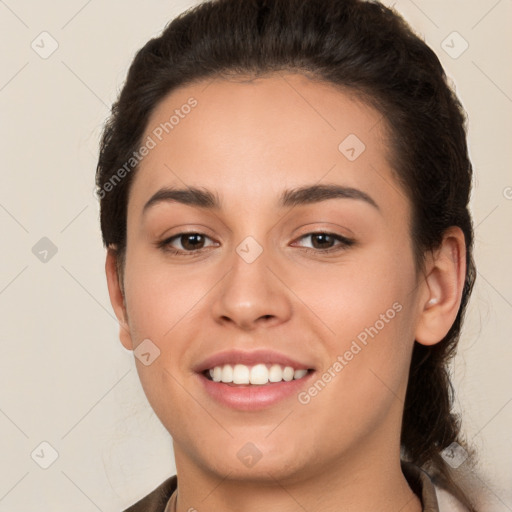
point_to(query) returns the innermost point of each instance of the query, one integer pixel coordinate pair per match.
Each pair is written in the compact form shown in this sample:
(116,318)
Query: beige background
(64,377)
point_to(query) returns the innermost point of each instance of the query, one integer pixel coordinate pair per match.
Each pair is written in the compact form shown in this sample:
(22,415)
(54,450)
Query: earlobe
(444,283)
(115,292)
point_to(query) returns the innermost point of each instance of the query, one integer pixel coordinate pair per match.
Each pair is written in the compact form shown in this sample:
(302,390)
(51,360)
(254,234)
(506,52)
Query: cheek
(350,296)
(158,298)
(160,305)
(167,307)
(366,304)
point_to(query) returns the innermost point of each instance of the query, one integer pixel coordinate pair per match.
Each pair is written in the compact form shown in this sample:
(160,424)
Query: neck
(361,484)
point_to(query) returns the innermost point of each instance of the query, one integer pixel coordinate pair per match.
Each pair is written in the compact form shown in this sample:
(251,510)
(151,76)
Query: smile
(258,374)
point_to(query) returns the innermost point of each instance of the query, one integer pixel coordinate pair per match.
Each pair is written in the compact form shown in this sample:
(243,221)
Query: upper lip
(249,358)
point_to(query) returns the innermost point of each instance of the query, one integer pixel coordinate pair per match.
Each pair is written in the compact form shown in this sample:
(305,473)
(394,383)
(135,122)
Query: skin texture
(247,141)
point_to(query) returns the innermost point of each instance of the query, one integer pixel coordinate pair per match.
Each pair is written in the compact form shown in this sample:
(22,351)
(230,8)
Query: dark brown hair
(359,46)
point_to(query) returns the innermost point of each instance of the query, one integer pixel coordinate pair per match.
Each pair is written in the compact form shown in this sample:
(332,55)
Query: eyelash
(164,245)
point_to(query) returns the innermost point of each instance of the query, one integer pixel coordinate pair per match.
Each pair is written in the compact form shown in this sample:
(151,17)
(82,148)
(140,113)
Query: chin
(254,462)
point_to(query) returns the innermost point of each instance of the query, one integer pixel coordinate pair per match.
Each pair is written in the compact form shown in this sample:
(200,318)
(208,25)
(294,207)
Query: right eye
(191,243)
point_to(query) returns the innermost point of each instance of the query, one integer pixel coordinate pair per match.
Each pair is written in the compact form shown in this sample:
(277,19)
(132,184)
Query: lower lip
(253,397)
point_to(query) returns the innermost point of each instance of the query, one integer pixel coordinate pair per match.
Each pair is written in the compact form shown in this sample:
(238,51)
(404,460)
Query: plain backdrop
(65,379)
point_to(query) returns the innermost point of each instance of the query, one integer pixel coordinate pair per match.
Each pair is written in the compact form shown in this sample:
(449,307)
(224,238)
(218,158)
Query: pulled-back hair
(367,49)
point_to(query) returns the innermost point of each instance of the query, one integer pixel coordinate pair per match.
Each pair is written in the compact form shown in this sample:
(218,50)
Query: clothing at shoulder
(432,497)
(422,485)
(157,499)
(419,480)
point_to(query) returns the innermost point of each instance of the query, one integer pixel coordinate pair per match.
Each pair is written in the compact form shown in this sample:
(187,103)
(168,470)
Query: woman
(284,196)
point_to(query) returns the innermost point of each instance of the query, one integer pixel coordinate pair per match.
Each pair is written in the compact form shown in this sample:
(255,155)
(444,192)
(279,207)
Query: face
(257,274)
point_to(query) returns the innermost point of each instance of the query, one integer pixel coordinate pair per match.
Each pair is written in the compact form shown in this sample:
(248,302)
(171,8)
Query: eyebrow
(203,198)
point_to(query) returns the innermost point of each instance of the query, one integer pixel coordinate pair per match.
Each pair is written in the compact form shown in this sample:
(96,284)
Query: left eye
(326,241)
(189,241)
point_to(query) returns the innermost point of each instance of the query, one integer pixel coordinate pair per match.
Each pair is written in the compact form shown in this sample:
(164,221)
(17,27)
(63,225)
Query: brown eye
(325,242)
(322,240)
(184,243)
(191,241)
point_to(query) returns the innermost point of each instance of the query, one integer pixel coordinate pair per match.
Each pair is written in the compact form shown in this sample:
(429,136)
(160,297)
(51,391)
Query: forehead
(253,138)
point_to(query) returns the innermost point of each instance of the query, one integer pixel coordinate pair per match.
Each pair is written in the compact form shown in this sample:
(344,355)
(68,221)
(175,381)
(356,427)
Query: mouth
(260,374)
(253,380)
(258,387)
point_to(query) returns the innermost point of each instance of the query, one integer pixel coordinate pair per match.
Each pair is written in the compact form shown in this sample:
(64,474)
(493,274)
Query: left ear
(444,282)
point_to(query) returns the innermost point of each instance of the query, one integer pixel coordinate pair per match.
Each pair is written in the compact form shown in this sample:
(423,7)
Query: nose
(252,295)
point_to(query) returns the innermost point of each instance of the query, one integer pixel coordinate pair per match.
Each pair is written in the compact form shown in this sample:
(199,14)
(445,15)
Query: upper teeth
(257,374)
